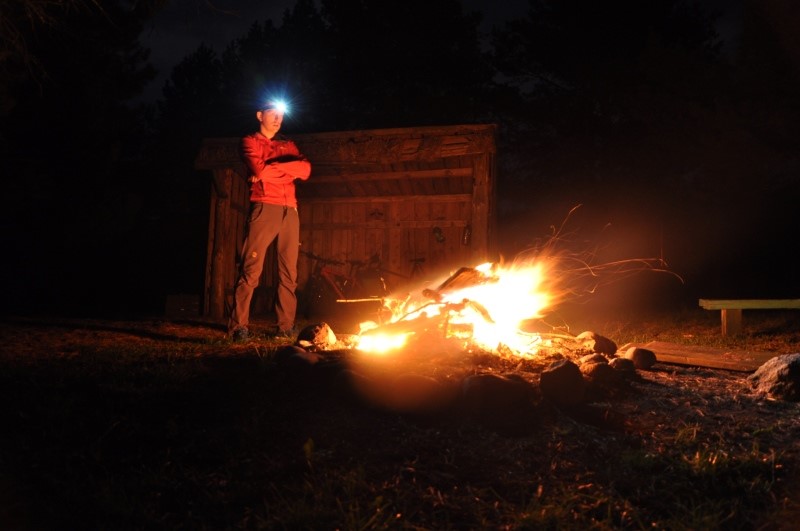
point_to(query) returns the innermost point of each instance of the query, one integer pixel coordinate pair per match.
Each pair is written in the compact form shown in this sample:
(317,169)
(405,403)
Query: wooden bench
(731,310)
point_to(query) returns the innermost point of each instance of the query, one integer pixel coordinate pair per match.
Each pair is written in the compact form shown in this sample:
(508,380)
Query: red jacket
(273,165)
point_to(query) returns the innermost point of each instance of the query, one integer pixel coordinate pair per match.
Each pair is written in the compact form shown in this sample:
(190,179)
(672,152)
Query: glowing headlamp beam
(281,106)
(278,105)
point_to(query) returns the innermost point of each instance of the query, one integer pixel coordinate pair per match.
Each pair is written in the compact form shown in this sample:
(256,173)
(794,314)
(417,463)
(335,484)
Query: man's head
(271,117)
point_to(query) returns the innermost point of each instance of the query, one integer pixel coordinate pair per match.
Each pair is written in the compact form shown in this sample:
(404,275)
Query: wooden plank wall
(396,229)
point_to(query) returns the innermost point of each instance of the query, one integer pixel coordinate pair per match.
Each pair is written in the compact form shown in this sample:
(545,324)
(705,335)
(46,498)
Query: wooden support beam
(444,198)
(731,321)
(345,177)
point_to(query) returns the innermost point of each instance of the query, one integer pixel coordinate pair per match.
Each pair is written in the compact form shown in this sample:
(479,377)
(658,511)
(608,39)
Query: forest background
(677,134)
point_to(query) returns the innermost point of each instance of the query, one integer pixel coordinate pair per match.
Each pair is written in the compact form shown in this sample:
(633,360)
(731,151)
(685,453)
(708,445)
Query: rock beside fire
(405,393)
(563,383)
(319,336)
(601,373)
(642,358)
(595,342)
(602,380)
(778,378)
(625,366)
(593,358)
(503,402)
(487,395)
(297,357)
(417,393)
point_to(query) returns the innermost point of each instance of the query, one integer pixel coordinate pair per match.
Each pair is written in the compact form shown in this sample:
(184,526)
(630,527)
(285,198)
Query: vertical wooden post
(731,321)
(479,219)
(218,230)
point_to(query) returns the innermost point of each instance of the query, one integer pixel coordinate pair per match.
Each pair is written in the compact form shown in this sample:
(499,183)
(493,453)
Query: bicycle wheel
(370,284)
(319,300)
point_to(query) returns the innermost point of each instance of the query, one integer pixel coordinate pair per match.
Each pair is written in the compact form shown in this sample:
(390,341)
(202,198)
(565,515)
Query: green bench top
(749,304)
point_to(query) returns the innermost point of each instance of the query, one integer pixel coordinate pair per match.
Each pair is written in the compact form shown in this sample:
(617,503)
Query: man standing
(273,164)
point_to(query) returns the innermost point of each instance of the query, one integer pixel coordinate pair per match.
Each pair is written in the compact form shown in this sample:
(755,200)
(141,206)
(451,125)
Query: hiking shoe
(240,335)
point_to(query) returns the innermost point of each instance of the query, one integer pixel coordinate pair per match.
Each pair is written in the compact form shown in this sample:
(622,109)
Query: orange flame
(488,311)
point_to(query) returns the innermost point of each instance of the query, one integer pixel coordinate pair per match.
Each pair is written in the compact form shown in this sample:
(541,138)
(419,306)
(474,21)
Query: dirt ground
(669,407)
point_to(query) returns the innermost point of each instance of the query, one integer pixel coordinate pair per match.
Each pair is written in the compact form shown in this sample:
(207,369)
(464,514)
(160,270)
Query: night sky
(181,26)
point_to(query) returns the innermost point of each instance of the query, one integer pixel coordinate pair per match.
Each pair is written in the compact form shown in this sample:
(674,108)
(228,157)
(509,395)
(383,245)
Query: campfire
(477,340)
(483,307)
(488,306)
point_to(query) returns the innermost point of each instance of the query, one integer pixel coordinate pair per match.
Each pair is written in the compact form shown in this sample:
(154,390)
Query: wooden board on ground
(715,358)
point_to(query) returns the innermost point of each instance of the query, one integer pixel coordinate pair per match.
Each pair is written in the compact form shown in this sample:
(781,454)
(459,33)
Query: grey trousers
(266,223)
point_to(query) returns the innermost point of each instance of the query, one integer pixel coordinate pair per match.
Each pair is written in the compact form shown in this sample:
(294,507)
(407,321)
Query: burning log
(419,323)
(465,277)
(437,314)
(484,305)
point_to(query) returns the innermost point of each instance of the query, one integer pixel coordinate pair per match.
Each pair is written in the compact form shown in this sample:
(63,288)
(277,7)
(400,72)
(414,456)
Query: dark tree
(70,142)
(632,109)
(407,63)
(599,76)
(358,64)
(211,96)
(208,95)
(293,61)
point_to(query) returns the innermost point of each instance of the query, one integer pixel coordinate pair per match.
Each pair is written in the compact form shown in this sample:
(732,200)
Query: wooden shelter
(403,195)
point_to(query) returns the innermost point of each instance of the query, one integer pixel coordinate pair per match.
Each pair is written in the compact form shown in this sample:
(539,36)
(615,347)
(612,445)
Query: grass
(163,425)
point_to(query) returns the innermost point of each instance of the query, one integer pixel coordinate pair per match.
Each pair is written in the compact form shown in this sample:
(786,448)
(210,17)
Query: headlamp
(278,105)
